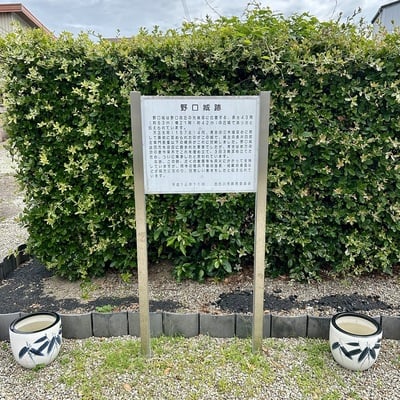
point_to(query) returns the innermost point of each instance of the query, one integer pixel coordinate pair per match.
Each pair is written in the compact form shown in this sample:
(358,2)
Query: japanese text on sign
(200,144)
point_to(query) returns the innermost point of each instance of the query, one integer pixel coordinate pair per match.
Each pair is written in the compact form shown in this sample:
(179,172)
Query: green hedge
(333,189)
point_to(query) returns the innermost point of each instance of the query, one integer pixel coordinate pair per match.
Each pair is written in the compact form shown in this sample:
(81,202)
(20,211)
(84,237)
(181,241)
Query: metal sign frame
(200,144)
(263,101)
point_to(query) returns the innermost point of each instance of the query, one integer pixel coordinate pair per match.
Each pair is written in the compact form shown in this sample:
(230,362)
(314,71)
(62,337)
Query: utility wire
(186,10)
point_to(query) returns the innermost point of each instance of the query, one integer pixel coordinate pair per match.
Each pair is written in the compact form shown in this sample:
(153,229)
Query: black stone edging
(11,262)
(82,326)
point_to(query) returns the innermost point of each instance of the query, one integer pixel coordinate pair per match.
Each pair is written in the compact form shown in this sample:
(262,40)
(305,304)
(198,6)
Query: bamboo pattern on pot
(44,343)
(362,354)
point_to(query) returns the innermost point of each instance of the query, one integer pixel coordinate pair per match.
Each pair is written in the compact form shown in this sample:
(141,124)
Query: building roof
(379,12)
(24,14)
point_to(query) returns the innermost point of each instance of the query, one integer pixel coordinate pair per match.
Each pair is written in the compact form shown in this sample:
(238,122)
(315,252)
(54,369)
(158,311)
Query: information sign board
(200,144)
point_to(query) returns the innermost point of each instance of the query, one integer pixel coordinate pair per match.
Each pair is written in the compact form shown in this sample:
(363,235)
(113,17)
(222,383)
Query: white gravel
(12,234)
(6,163)
(295,374)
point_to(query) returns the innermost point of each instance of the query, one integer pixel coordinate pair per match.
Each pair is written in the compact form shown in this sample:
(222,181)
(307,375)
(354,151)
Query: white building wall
(389,17)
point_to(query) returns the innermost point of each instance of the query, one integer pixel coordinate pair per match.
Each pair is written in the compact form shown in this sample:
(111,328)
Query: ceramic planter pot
(36,338)
(355,340)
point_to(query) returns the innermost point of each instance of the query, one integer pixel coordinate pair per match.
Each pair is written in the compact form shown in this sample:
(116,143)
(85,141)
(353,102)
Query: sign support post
(200,144)
(260,222)
(141,224)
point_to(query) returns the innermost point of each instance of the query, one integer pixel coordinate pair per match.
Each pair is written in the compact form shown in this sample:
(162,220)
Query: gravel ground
(11,205)
(382,381)
(295,375)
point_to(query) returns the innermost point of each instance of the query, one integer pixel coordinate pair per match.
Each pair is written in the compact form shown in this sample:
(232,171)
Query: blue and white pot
(355,340)
(36,338)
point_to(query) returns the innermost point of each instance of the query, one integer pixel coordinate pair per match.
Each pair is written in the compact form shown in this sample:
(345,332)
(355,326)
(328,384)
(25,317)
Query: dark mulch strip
(22,291)
(242,301)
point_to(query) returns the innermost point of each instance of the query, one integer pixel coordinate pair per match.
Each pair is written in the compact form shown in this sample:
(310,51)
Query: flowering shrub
(334,179)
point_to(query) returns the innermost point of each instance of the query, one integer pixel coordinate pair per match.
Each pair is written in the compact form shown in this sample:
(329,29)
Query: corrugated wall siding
(5,23)
(8,22)
(391,17)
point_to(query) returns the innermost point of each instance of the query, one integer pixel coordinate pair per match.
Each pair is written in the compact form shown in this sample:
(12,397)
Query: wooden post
(141,224)
(260,222)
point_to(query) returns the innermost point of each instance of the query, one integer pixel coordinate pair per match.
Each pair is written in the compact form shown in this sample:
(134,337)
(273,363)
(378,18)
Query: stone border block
(81,326)
(282,326)
(318,327)
(2,273)
(7,266)
(244,326)
(12,261)
(22,256)
(156,324)
(175,324)
(267,325)
(110,324)
(222,326)
(391,327)
(5,322)
(76,326)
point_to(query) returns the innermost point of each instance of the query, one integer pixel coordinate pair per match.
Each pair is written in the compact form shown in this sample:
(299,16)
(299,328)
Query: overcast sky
(107,17)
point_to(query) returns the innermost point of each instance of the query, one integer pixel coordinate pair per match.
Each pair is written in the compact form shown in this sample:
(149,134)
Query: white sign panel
(200,144)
